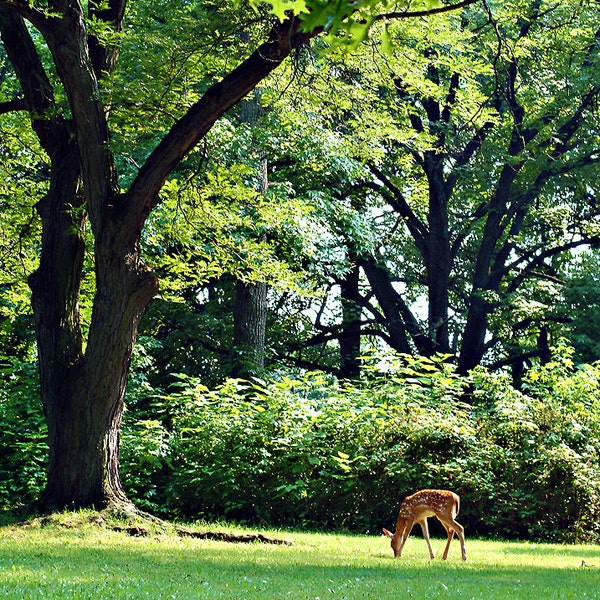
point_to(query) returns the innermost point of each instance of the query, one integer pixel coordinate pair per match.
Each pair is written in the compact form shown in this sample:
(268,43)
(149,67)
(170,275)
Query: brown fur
(442,504)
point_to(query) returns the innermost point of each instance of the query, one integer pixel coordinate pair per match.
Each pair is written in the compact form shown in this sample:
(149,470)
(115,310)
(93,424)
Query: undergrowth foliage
(23,433)
(318,453)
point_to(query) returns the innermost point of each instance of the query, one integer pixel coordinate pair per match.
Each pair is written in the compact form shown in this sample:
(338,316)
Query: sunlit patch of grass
(77,558)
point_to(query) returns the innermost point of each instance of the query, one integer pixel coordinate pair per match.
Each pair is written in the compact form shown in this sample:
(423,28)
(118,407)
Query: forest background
(378,271)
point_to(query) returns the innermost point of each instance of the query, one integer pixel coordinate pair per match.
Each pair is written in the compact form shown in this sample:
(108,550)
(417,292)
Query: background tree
(397,166)
(250,305)
(481,176)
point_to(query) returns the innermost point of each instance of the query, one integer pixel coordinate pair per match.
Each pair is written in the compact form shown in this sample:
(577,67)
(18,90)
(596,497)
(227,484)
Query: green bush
(317,453)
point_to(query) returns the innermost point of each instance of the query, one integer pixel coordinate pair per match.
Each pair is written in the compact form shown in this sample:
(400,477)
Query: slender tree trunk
(249,330)
(350,335)
(438,255)
(250,305)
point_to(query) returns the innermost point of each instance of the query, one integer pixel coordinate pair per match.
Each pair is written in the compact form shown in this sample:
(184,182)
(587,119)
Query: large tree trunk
(83,394)
(438,254)
(84,409)
(83,400)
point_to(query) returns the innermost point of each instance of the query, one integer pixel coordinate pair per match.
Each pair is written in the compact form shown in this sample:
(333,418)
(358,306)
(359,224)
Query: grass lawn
(68,560)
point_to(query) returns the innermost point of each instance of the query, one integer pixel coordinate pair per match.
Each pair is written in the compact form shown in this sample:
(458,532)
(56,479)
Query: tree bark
(438,258)
(84,463)
(250,306)
(351,330)
(249,329)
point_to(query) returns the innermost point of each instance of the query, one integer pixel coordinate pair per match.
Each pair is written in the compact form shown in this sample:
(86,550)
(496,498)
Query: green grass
(86,561)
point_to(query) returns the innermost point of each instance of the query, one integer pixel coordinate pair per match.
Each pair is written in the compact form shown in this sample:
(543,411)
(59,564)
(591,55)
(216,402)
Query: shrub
(314,452)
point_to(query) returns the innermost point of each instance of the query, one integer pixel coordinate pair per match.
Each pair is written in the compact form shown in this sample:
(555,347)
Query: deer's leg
(425,530)
(450,533)
(454,526)
(408,525)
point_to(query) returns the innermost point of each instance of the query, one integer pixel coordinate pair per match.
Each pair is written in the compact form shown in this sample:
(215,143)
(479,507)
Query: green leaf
(386,41)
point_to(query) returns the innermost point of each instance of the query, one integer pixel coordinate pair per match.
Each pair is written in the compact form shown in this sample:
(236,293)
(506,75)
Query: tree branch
(535,261)
(12,106)
(423,13)
(104,57)
(398,202)
(67,39)
(194,125)
(35,84)
(450,97)
(473,145)
(24,9)
(399,319)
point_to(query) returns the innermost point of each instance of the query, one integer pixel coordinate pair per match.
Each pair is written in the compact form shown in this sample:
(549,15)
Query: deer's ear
(386,532)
